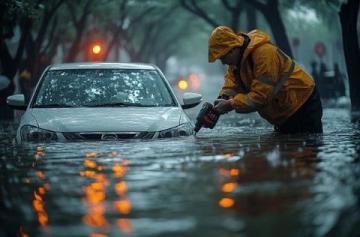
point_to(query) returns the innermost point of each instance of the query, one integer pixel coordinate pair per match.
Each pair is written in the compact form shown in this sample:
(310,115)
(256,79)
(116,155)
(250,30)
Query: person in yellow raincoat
(261,77)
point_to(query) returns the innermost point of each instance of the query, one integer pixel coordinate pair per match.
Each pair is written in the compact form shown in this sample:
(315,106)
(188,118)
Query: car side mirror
(17,102)
(191,100)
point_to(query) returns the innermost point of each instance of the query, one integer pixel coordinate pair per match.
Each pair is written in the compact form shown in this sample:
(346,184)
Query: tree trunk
(251,18)
(235,15)
(9,70)
(348,19)
(277,26)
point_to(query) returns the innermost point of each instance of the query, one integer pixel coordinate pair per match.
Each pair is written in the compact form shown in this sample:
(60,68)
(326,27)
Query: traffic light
(96,50)
(182,83)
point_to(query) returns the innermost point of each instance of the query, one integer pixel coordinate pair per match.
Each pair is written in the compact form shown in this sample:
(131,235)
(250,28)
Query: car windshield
(103,88)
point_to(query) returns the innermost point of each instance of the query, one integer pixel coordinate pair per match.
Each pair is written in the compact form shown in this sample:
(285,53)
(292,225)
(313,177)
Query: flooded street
(240,178)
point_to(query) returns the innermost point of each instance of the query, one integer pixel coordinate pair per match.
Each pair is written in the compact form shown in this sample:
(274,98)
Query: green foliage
(11,13)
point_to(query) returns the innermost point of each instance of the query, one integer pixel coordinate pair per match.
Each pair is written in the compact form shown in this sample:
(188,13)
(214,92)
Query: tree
(148,32)
(348,14)
(12,15)
(39,42)
(79,13)
(270,10)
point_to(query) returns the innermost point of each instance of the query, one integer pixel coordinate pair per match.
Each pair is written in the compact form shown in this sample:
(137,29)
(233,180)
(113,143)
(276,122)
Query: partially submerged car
(102,101)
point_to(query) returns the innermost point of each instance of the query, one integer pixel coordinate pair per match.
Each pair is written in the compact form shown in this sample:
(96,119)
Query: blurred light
(195,81)
(43,219)
(124,225)
(229,187)
(90,163)
(41,190)
(98,186)
(123,206)
(93,196)
(23,233)
(95,219)
(40,152)
(121,188)
(40,174)
(91,154)
(119,170)
(96,49)
(234,172)
(87,173)
(97,235)
(224,172)
(182,84)
(38,206)
(40,149)
(226,202)
(229,154)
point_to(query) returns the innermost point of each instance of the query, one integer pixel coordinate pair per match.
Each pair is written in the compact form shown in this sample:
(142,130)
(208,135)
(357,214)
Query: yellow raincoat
(268,81)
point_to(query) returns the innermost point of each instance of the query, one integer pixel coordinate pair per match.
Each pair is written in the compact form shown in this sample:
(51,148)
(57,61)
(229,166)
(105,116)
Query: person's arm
(223,103)
(229,89)
(266,71)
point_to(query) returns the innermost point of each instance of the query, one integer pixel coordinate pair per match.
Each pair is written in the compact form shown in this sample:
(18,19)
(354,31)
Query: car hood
(107,119)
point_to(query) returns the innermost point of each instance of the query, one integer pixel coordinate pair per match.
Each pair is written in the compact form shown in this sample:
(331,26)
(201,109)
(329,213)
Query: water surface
(239,179)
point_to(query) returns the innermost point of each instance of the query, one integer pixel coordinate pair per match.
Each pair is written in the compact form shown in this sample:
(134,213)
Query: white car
(102,101)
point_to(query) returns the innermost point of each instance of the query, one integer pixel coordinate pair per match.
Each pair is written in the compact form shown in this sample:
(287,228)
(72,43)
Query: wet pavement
(239,179)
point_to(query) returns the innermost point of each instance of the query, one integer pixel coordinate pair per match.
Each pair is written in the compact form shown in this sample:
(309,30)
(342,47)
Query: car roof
(66,66)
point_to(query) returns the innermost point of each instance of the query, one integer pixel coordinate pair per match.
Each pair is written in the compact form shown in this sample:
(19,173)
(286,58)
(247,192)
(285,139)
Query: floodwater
(239,179)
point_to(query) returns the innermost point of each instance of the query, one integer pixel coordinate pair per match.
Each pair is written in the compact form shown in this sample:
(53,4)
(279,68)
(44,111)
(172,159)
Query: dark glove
(223,106)
(224,97)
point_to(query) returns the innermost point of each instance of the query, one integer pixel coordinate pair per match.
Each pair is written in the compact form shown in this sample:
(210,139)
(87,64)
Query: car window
(103,87)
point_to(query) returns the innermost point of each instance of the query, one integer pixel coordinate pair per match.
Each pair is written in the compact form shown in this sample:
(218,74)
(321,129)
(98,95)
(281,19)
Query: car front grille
(107,136)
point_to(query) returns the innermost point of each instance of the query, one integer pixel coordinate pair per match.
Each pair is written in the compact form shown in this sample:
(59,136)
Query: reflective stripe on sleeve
(277,85)
(229,92)
(282,80)
(265,80)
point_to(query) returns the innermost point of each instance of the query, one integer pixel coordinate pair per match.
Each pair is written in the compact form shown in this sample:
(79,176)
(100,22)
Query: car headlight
(32,133)
(184,129)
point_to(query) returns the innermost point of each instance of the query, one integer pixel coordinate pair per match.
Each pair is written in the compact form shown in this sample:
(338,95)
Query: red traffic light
(96,49)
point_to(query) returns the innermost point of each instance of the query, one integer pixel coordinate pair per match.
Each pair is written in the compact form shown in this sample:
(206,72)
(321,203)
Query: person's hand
(223,106)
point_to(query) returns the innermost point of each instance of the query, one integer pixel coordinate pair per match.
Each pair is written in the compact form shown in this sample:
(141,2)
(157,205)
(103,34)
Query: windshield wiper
(56,105)
(119,104)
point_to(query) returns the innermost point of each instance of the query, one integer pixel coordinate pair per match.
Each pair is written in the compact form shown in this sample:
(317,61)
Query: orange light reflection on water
(226,202)
(119,170)
(121,188)
(95,196)
(87,173)
(38,206)
(90,163)
(40,174)
(125,225)
(97,235)
(229,187)
(91,154)
(234,172)
(22,232)
(123,206)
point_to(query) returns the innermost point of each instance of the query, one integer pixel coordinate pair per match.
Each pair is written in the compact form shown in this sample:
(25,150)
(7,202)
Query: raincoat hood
(257,38)
(223,39)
